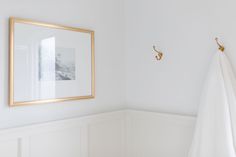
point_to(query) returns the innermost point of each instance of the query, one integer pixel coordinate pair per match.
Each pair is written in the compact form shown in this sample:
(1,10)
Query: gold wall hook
(159,54)
(221,47)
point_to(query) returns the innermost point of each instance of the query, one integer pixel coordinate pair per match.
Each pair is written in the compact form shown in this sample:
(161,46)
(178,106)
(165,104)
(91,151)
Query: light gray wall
(184,30)
(127,73)
(105,18)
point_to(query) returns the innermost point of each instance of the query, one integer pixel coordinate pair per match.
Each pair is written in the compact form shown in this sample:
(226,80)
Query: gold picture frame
(12,22)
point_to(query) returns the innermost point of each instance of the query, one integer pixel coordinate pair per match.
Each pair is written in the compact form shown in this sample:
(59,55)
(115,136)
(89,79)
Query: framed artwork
(50,63)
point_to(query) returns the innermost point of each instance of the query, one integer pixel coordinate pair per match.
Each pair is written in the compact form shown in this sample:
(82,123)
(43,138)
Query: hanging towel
(215,132)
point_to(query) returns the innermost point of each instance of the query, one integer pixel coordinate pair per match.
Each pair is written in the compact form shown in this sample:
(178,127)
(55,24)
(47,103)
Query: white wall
(184,30)
(105,18)
(126,70)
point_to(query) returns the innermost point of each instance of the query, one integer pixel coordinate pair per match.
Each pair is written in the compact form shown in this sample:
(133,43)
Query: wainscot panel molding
(126,133)
(99,135)
(151,134)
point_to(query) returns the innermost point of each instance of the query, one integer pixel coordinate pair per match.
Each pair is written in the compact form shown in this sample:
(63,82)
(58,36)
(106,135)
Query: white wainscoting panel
(9,148)
(59,143)
(127,133)
(151,134)
(103,139)
(100,135)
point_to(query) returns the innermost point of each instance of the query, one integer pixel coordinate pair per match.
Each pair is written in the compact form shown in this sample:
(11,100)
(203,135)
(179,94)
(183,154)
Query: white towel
(215,132)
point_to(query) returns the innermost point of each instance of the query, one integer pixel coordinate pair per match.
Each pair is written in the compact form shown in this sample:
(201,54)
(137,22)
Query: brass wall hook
(159,54)
(221,47)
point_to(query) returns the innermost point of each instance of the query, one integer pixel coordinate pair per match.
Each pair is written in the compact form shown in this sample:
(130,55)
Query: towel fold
(215,132)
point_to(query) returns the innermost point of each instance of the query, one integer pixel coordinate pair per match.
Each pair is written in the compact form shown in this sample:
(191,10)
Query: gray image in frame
(65,63)
(60,66)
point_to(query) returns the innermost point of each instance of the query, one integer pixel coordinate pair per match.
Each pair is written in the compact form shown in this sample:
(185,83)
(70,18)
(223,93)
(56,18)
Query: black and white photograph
(65,64)
(57,64)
